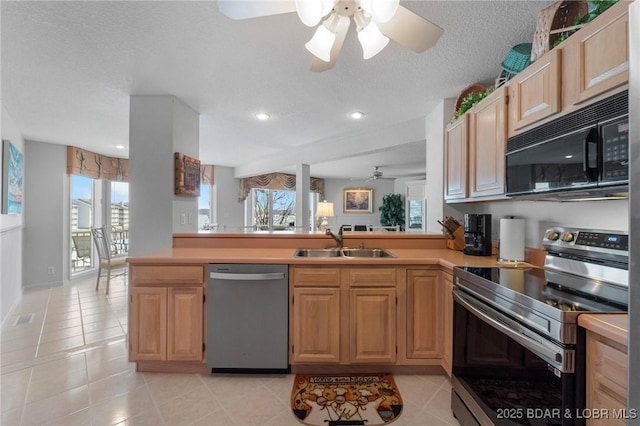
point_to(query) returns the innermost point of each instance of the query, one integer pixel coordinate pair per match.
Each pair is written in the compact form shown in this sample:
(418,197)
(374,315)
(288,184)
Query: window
(273,209)
(205,208)
(82,199)
(415,214)
(120,217)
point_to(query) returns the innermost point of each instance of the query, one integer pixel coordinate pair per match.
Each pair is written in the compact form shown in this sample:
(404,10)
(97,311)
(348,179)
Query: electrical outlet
(190,218)
(51,270)
(183,219)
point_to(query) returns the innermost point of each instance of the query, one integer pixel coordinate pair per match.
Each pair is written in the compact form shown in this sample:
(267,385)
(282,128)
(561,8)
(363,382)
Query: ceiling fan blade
(245,9)
(411,30)
(318,65)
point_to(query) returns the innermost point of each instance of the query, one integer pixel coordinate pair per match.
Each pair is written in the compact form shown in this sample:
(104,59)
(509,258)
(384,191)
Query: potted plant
(392,211)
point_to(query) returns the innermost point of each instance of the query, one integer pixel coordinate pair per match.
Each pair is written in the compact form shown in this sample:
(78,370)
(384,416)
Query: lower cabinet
(343,315)
(372,325)
(316,325)
(424,315)
(447,317)
(366,315)
(166,318)
(606,379)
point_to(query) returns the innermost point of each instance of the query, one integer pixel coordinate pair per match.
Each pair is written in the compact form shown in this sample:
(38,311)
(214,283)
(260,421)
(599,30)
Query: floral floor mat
(345,400)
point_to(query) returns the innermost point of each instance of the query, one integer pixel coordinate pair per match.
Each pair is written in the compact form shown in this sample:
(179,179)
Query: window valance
(206,174)
(96,166)
(281,181)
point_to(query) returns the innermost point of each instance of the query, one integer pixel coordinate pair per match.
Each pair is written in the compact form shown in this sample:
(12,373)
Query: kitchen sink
(318,252)
(366,252)
(347,252)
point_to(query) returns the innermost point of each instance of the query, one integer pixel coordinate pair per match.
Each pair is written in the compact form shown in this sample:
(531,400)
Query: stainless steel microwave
(584,154)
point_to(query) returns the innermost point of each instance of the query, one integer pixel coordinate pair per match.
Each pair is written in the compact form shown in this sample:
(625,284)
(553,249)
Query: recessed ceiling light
(568,156)
(356,115)
(263,116)
(119,146)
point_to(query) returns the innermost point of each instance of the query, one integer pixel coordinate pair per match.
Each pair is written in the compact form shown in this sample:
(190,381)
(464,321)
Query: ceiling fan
(376,174)
(376,21)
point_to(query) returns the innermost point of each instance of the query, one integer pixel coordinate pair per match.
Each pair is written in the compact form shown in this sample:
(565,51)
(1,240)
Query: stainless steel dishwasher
(247,318)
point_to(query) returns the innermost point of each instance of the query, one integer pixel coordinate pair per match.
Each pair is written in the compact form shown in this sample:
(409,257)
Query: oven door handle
(560,358)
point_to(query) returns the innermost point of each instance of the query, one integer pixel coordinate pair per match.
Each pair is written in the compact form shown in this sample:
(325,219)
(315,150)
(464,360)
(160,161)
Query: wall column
(303,188)
(159,126)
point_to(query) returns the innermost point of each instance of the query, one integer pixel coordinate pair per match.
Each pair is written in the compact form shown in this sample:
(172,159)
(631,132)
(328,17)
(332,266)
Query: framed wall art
(12,178)
(357,200)
(187,175)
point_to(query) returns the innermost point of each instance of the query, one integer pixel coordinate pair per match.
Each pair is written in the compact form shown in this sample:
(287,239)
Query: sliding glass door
(82,216)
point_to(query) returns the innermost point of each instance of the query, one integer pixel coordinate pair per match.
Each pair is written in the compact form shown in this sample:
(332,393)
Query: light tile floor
(63,361)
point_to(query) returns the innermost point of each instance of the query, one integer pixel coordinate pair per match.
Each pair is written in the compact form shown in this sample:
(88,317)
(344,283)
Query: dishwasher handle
(229,276)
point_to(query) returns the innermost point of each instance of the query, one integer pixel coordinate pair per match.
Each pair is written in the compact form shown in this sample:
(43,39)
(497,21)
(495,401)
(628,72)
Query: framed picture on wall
(187,175)
(12,178)
(357,200)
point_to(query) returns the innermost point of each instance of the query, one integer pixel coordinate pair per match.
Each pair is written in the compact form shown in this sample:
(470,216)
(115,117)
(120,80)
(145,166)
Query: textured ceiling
(68,69)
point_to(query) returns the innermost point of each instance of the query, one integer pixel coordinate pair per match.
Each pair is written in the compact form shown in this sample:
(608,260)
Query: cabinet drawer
(372,277)
(316,277)
(161,274)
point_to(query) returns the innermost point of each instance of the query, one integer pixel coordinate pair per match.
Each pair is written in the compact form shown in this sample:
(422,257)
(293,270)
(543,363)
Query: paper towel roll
(512,239)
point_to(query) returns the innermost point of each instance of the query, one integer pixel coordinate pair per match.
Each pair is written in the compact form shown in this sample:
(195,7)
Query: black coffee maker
(477,234)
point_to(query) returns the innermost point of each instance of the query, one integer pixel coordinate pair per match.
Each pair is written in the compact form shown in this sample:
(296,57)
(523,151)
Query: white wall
(46,232)
(539,215)
(11,232)
(333,192)
(159,126)
(435,122)
(228,211)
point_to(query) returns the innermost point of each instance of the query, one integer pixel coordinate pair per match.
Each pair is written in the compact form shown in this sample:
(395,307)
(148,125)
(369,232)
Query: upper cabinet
(534,94)
(455,159)
(487,144)
(596,58)
(474,151)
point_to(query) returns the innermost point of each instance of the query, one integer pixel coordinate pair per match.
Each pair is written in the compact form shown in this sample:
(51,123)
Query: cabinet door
(606,378)
(455,159)
(185,324)
(148,324)
(598,56)
(534,94)
(316,325)
(423,314)
(447,307)
(372,325)
(487,144)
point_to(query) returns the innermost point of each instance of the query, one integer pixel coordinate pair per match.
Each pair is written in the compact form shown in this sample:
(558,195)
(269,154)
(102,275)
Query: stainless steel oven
(518,354)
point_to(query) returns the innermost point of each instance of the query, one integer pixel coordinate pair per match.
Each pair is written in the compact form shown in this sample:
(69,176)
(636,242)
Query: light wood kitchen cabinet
(596,58)
(487,145)
(148,324)
(606,379)
(424,314)
(316,325)
(343,315)
(372,325)
(166,313)
(447,317)
(455,159)
(535,93)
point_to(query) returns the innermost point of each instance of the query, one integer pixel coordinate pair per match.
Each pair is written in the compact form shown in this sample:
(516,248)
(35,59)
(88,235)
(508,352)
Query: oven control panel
(587,240)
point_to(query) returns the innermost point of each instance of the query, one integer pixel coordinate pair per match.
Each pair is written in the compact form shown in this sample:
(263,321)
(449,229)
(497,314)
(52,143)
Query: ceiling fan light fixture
(380,10)
(321,43)
(370,37)
(323,40)
(309,11)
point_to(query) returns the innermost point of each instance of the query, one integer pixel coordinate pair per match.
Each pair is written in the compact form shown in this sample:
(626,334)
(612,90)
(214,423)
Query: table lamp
(324,210)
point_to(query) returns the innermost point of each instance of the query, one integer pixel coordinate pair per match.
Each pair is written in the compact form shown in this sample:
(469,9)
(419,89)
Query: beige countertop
(443,257)
(612,326)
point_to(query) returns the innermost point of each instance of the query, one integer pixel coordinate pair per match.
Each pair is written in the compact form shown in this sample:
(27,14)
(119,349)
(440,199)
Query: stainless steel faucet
(338,238)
